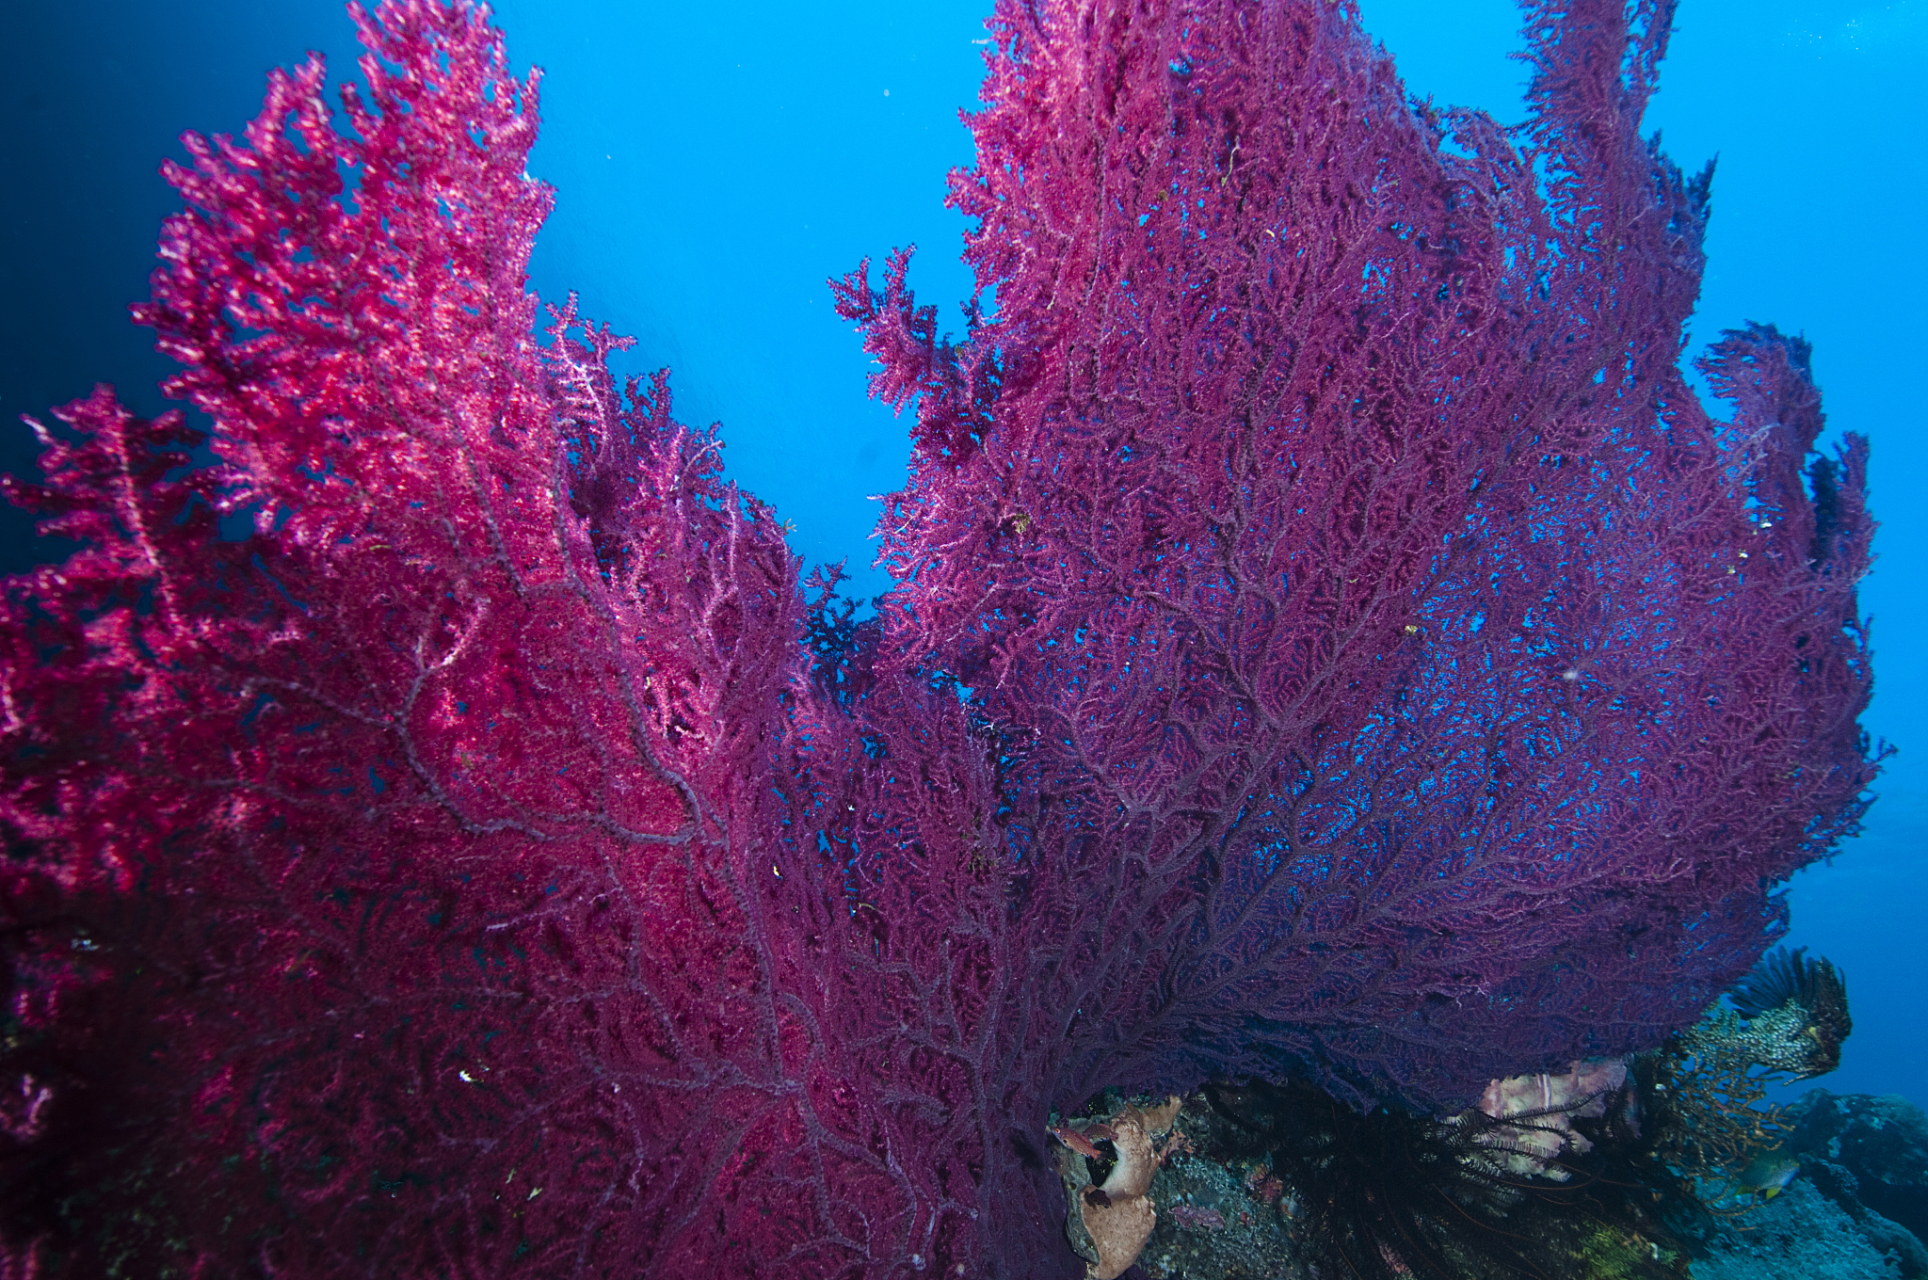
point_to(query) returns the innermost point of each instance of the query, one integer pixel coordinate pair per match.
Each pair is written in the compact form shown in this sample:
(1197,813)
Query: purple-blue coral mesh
(1330,639)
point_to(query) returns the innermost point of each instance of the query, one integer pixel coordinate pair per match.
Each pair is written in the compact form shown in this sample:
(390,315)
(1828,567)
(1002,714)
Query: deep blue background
(715,163)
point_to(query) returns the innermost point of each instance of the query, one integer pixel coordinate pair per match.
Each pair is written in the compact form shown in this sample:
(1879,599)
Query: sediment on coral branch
(1330,642)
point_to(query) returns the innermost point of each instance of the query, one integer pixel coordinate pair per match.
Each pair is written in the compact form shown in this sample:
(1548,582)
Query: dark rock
(1867,1151)
(1802,1234)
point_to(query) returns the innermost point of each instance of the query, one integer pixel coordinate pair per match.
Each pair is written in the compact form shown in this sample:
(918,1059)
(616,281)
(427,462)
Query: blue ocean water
(715,164)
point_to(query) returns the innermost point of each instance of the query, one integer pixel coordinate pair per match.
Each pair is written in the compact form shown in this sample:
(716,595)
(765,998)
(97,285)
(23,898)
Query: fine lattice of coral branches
(1330,639)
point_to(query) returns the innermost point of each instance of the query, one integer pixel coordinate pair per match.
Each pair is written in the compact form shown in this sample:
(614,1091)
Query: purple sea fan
(1418,683)
(378,893)
(1329,638)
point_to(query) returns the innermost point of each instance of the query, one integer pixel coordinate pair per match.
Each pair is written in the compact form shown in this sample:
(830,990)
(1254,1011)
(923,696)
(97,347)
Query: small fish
(1197,1219)
(1769,1174)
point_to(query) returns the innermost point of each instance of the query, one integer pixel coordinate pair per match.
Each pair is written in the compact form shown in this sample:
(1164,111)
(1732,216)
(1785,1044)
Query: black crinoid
(1786,977)
(1388,1193)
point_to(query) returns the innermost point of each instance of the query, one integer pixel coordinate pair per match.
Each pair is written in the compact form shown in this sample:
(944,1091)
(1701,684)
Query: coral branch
(1330,640)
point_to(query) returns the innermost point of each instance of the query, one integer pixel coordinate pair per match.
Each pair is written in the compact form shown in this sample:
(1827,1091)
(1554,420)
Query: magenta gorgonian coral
(1330,640)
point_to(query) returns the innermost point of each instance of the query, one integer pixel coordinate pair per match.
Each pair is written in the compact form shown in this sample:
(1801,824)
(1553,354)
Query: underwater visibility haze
(1326,635)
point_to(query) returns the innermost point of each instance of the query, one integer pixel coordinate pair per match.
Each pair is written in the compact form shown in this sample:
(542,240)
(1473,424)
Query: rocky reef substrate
(1853,1207)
